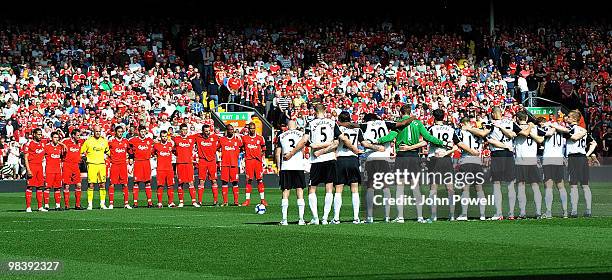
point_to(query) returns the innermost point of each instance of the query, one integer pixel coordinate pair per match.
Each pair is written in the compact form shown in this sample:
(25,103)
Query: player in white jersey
(321,134)
(347,168)
(526,150)
(577,165)
(291,175)
(376,162)
(499,135)
(553,166)
(440,164)
(470,163)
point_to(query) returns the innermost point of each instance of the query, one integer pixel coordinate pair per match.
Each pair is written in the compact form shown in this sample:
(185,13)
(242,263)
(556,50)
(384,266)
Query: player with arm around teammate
(577,165)
(526,148)
(291,174)
(322,135)
(470,163)
(553,167)
(440,161)
(347,168)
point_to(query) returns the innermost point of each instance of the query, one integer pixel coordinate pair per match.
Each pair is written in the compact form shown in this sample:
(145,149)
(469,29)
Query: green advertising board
(236,119)
(543,111)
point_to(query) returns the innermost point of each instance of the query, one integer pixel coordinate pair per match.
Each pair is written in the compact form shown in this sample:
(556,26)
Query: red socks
(77,197)
(111,194)
(57,195)
(215,191)
(260,187)
(28,195)
(126,195)
(39,197)
(200,193)
(67,198)
(235,191)
(160,193)
(192,194)
(46,196)
(170,195)
(249,188)
(224,191)
(148,193)
(181,194)
(135,194)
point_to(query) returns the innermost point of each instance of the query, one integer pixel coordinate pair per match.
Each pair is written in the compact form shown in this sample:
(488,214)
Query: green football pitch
(236,243)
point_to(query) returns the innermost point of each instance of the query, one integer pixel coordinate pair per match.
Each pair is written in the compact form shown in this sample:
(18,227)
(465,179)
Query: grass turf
(235,243)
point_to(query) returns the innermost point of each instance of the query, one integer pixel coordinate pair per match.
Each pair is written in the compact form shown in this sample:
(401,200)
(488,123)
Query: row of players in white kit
(513,144)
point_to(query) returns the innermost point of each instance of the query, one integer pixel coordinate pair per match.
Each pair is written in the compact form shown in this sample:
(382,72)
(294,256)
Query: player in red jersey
(34,155)
(254,146)
(183,148)
(140,151)
(70,169)
(230,149)
(165,174)
(54,152)
(118,147)
(207,145)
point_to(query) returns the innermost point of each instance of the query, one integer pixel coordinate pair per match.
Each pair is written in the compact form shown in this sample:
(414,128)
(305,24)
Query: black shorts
(440,165)
(291,179)
(322,173)
(528,174)
(472,173)
(376,166)
(347,171)
(470,168)
(578,169)
(502,166)
(554,172)
(410,161)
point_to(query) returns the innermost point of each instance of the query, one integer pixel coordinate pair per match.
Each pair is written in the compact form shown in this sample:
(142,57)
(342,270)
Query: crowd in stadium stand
(64,77)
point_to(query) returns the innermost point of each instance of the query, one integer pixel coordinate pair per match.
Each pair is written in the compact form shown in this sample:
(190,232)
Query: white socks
(434,208)
(548,199)
(574,199)
(587,197)
(356,202)
(451,194)
(399,194)
(465,195)
(498,200)
(329,197)
(301,204)
(387,195)
(416,192)
(537,197)
(511,198)
(284,206)
(563,197)
(370,202)
(481,196)
(312,203)
(522,198)
(337,205)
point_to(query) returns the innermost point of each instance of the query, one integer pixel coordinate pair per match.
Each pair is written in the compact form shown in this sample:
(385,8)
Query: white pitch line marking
(113,229)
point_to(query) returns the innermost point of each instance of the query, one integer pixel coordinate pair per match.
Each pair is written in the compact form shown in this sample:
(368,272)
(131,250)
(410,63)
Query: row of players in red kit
(138,151)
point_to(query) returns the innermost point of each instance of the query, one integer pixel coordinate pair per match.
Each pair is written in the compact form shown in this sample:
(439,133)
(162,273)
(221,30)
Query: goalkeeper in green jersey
(407,142)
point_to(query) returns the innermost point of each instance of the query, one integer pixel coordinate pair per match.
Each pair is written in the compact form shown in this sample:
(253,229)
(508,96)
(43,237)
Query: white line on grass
(113,229)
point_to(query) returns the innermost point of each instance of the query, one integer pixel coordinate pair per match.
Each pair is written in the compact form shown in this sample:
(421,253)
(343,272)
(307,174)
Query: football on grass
(260,209)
